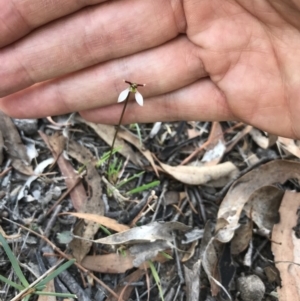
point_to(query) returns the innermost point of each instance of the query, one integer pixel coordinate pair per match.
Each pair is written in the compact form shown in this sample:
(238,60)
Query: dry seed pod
(251,288)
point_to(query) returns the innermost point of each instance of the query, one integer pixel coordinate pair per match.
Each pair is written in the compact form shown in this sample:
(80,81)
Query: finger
(19,17)
(91,36)
(163,69)
(201,100)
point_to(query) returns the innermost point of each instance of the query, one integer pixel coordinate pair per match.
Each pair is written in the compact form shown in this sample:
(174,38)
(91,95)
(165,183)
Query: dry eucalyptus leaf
(147,251)
(193,175)
(102,220)
(261,140)
(190,252)
(286,246)
(209,258)
(113,263)
(92,205)
(147,233)
(107,132)
(56,145)
(192,278)
(37,172)
(289,146)
(214,154)
(242,189)
(216,148)
(80,247)
(14,145)
(242,238)
(263,206)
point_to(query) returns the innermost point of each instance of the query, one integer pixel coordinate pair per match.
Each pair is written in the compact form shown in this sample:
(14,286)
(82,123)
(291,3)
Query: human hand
(201,60)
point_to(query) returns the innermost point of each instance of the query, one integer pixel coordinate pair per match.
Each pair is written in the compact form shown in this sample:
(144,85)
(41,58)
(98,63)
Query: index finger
(19,17)
(86,38)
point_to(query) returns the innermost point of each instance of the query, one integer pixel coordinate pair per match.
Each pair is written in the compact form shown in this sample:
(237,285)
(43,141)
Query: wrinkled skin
(200,60)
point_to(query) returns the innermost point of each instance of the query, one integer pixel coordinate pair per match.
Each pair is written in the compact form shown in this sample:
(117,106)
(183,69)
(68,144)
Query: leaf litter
(205,229)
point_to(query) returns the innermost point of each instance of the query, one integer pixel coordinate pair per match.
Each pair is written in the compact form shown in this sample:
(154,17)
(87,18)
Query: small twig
(160,199)
(150,199)
(179,269)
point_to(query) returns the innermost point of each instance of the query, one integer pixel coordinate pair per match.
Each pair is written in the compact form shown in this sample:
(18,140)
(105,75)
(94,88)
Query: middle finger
(91,36)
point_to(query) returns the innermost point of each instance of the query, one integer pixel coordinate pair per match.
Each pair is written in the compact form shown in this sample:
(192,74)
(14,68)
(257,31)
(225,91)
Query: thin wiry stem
(117,129)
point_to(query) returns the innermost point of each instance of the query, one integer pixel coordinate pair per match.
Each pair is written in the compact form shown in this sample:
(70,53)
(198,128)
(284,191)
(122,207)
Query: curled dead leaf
(242,189)
(194,175)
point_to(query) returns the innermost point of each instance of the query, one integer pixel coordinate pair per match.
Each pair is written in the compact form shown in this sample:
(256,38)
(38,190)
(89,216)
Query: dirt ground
(184,211)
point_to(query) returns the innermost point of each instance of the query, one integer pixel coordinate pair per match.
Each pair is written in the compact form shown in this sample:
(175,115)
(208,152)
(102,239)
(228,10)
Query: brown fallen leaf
(216,148)
(102,220)
(263,206)
(93,205)
(106,132)
(14,145)
(56,145)
(241,190)
(193,175)
(114,263)
(209,259)
(192,278)
(109,263)
(286,246)
(242,238)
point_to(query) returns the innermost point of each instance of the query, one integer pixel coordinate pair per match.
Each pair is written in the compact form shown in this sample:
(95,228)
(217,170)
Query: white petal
(123,95)
(139,98)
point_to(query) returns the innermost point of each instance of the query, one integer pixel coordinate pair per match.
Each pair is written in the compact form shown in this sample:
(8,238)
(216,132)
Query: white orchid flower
(132,89)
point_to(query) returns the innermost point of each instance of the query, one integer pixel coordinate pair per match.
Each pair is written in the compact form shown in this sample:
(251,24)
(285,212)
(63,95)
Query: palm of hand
(251,55)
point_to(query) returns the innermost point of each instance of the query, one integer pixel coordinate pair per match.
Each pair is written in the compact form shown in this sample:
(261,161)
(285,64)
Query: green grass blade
(13,260)
(138,131)
(105,156)
(144,187)
(56,294)
(55,273)
(157,279)
(11,283)
(166,255)
(105,230)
